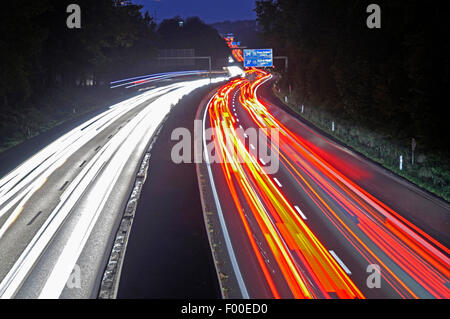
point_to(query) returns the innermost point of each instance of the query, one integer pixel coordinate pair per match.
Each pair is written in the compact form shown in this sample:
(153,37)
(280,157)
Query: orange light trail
(284,232)
(307,266)
(237,53)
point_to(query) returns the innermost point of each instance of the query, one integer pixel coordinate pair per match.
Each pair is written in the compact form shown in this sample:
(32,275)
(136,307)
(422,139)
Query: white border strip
(340,262)
(300,212)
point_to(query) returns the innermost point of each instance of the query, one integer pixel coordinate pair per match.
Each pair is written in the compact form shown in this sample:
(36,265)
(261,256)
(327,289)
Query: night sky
(208,10)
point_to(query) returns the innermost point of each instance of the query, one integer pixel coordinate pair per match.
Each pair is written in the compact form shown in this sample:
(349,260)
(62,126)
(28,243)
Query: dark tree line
(39,51)
(193,33)
(394,79)
(49,72)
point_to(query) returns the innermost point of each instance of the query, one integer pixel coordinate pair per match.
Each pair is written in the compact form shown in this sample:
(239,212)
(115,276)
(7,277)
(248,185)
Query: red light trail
(410,259)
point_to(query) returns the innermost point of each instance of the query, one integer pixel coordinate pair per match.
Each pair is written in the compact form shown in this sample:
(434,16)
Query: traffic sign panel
(259,58)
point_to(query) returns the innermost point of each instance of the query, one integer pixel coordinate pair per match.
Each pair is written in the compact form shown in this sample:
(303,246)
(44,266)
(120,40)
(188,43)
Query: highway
(327,221)
(60,208)
(302,215)
(167,252)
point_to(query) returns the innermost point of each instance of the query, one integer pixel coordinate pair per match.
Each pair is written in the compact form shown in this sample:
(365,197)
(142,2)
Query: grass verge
(430,171)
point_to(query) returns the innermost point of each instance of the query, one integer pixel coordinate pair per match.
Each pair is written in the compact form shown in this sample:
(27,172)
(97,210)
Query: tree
(194,34)
(390,78)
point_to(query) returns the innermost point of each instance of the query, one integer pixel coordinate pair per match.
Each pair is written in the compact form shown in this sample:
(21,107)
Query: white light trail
(89,191)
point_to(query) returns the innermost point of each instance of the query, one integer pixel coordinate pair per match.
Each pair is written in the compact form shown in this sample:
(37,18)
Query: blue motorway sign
(258,58)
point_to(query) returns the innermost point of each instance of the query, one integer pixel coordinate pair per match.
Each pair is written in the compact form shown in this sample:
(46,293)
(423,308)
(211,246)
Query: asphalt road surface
(168,254)
(59,208)
(327,223)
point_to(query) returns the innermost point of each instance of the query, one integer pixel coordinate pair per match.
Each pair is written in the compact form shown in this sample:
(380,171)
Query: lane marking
(64,185)
(262,162)
(276,181)
(253,148)
(300,212)
(34,218)
(340,262)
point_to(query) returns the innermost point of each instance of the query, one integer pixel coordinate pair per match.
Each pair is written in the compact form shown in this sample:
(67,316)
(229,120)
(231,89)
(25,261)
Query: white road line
(262,162)
(251,145)
(241,126)
(276,181)
(237,120)
(300,212)
(340,262)
(245,135)
(223,225)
